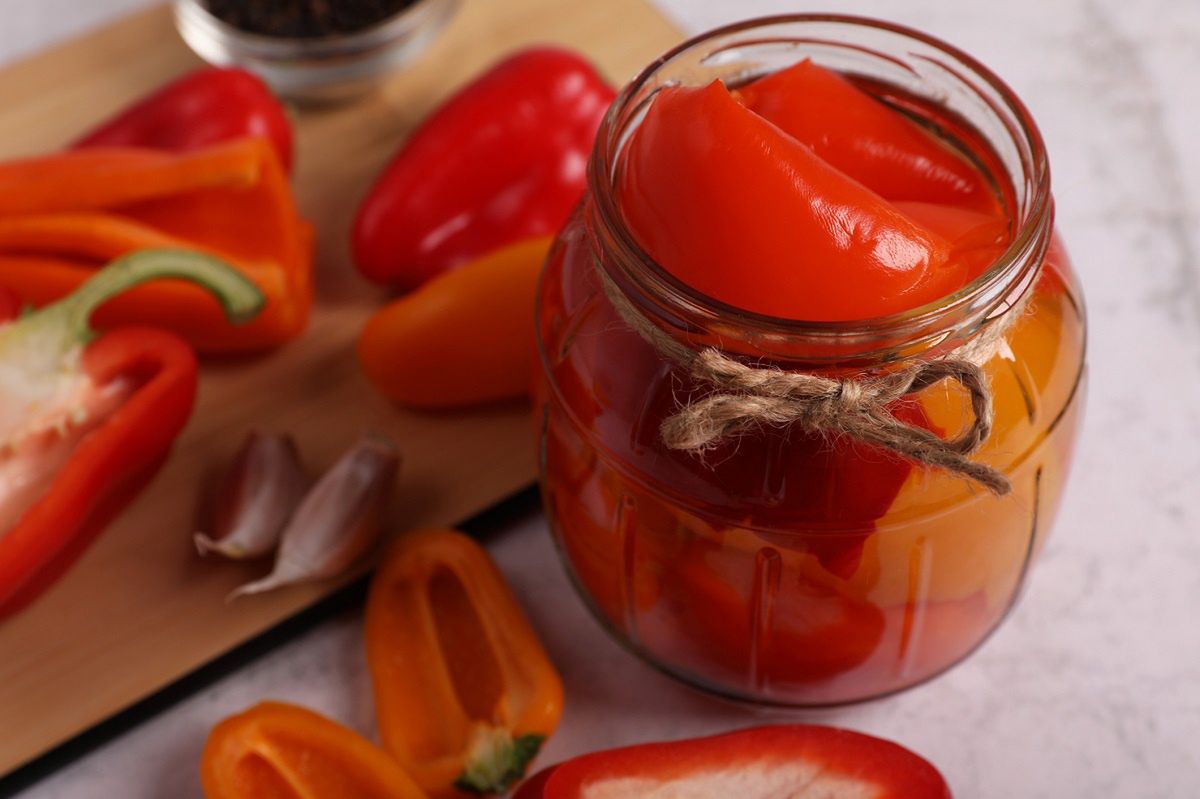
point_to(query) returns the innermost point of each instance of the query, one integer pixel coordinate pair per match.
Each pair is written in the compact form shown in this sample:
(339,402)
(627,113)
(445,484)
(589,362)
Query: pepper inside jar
(822,196)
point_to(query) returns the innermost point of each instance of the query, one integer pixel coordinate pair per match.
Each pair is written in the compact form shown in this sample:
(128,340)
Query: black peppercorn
(304,18)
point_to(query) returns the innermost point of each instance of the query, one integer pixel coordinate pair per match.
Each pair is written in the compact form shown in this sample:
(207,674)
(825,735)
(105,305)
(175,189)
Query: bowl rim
(407,20)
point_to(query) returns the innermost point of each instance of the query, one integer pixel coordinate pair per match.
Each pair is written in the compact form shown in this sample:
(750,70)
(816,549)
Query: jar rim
(1009,274)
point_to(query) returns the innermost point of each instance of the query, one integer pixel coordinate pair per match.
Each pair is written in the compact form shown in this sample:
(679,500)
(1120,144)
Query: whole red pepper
(794,760)
(504,159)
(204,107)
(85,423)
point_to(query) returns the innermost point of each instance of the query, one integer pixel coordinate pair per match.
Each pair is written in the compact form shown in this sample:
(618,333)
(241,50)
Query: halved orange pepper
(63,216)
(462,338)
(280,751)
(464,692)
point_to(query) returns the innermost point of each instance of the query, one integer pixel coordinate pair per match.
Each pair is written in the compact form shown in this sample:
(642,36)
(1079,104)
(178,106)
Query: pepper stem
(41,338)
(496,761)
(239,297)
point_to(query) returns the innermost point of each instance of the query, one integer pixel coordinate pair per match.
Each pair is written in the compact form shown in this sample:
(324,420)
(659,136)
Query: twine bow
(751,396)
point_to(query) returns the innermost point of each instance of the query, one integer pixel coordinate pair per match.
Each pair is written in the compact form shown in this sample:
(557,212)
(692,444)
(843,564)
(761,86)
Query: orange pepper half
(464,692)
(64,216)
(462,338)
(281,751)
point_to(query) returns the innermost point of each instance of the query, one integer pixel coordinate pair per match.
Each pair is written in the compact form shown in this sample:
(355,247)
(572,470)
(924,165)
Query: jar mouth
(1001,284)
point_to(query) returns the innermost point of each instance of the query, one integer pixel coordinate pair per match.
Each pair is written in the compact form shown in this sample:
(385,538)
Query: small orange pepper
(464,692)
(281,751)
(462,338)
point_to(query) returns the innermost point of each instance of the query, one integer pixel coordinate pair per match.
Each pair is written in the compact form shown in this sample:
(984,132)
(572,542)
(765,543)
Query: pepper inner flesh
(258,776)
(797,780)
(41,424)
(473,668)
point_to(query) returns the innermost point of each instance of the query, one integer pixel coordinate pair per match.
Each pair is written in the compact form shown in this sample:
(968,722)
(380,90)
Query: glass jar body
(784,566)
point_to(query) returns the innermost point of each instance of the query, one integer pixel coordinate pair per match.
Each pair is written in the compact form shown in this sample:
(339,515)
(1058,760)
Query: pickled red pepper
(721,194)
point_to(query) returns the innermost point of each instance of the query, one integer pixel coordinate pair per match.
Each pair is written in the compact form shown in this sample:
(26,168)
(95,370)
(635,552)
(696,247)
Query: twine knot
(749,397)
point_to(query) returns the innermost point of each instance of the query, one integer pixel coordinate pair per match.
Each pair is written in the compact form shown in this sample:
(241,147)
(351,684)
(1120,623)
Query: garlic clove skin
(257,496)
(339,520)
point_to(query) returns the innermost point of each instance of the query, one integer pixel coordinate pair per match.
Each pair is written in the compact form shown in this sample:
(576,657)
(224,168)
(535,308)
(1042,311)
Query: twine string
(750,397)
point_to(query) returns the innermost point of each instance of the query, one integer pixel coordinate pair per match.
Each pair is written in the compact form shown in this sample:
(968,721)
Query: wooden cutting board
(140,609)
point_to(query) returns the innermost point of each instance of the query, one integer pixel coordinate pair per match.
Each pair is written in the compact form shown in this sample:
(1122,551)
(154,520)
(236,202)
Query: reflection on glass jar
(785,566)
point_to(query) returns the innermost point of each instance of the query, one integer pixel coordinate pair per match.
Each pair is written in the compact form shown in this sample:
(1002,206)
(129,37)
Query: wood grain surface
(140,609)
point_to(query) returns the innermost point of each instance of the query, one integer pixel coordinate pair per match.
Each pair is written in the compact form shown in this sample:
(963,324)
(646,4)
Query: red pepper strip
(204,107)
(744,213)
(84,425)
(876,145)
(795,760)
(504,159)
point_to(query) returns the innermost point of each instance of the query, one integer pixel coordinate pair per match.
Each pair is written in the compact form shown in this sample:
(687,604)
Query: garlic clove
(339,520)
(256,498)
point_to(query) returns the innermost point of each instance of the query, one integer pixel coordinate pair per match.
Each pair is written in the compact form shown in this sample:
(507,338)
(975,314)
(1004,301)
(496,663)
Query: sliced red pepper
(504,159)
(84,423)
(799,761)
(206,106)
(876,145)
(64,216)
(737,209)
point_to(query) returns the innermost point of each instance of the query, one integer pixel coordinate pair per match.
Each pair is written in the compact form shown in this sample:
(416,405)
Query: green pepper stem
(41,339)
(496,760)
(239,297)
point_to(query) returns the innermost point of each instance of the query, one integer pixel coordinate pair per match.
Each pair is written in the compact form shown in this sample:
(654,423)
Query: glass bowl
(322,69)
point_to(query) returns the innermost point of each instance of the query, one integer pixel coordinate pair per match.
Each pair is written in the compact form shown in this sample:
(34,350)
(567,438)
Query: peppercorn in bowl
(313,50)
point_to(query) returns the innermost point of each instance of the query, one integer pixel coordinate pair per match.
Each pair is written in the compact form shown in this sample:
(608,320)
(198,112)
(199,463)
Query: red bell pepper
(204,107)
(795,760)
(85,423)
(504,159)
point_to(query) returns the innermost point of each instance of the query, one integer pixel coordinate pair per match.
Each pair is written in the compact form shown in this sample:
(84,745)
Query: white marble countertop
(1092,688)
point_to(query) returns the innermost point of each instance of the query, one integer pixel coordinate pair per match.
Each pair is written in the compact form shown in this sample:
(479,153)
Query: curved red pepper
(872,143)
(504,159)
(795,760)
(204,107)
(109,464)
(708,184)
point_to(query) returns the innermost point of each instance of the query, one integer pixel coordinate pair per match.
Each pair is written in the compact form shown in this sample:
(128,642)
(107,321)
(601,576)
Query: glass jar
(787,567)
